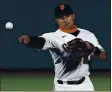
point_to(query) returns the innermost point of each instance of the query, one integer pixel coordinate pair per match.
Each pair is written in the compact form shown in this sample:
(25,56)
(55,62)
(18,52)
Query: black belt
(72,82)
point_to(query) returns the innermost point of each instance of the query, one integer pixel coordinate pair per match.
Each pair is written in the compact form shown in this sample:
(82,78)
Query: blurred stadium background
(27,69)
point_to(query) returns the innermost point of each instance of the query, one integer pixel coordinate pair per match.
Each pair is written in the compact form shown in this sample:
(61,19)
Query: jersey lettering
(64,46)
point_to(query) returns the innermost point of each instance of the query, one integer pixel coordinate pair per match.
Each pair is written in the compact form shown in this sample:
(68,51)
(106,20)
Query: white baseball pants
(86,85)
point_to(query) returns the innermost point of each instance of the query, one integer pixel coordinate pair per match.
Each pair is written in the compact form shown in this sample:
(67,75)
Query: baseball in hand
(9,25)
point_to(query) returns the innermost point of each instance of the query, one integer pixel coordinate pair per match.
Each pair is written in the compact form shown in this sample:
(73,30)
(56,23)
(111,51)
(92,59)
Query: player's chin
(67,26)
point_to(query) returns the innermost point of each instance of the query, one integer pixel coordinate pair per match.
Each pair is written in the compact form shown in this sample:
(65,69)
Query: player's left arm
(99,51)
(100,54)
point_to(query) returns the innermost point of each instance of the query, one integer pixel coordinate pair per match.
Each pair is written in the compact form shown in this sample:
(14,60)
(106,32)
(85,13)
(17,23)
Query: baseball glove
(80,48)
(75,51)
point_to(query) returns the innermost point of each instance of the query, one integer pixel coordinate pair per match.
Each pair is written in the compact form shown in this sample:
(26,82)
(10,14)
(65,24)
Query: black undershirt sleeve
(36,42)
(97,51)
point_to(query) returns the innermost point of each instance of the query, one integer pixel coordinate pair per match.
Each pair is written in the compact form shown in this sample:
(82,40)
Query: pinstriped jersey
(56,42)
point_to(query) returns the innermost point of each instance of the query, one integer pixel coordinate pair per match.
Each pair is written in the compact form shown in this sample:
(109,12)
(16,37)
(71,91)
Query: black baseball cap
(63,10)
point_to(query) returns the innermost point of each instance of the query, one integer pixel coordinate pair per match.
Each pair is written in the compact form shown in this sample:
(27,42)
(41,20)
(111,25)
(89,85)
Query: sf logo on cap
(62,7)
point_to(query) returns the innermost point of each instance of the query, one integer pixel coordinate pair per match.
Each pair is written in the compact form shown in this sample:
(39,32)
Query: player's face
(67,22)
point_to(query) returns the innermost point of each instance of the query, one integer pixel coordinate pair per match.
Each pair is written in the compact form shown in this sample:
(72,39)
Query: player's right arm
(32,41)
(42,42)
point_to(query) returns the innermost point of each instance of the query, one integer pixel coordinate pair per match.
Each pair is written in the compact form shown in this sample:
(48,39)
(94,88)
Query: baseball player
(71,48)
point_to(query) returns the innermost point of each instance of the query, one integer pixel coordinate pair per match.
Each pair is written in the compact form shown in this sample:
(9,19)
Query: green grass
(43,82)
(101,83)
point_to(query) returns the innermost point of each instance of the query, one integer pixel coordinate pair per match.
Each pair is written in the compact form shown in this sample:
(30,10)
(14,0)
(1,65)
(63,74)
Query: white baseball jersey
(55,42)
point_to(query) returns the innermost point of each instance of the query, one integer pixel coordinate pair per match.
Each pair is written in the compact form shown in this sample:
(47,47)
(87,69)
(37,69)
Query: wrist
(97,51)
